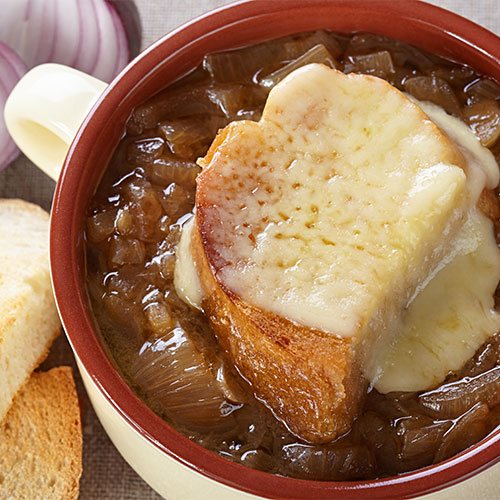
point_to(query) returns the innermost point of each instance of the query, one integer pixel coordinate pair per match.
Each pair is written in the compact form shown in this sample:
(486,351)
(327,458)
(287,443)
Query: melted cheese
(186,280)
(454,314)
(482,169)
(449,319)
(337,205)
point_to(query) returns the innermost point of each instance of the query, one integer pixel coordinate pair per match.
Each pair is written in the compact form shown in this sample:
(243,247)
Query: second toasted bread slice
(41,440)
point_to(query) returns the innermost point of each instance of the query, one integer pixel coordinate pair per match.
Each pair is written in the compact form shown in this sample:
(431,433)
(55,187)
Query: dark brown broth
(167,351)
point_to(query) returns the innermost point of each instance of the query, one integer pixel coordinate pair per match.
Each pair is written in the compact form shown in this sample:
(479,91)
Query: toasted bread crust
(311,380)
(38,362)
(41,440)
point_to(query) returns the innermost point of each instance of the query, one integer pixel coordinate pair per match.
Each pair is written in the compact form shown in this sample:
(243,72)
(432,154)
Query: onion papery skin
(88,35)
(11,70)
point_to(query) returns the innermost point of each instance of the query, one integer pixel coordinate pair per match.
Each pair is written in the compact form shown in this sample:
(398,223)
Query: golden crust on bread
(41,440)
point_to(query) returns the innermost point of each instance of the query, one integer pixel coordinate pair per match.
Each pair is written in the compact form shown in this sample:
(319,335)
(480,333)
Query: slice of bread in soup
(315,229)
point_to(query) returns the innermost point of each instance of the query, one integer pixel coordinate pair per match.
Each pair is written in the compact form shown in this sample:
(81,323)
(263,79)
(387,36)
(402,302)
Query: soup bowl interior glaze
(146,441)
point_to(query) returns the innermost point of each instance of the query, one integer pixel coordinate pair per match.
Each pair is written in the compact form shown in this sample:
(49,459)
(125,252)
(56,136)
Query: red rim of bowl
(423,24)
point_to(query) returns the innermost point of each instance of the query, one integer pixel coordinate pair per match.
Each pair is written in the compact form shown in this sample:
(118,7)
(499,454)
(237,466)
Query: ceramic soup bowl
(59,116)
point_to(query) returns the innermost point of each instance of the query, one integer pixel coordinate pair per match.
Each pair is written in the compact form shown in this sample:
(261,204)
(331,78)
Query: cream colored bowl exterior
(171,479)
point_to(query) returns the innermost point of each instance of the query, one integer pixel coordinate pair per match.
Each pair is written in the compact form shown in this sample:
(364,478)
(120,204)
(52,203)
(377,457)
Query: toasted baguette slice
(28,317)
(41,440)
(309,379)
(316,226)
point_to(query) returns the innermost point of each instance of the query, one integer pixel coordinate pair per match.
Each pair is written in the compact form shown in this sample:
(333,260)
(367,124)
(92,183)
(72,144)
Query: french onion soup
(293,258)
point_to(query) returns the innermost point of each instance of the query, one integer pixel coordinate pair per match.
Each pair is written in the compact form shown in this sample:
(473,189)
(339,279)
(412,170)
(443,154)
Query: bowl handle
(45,110)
